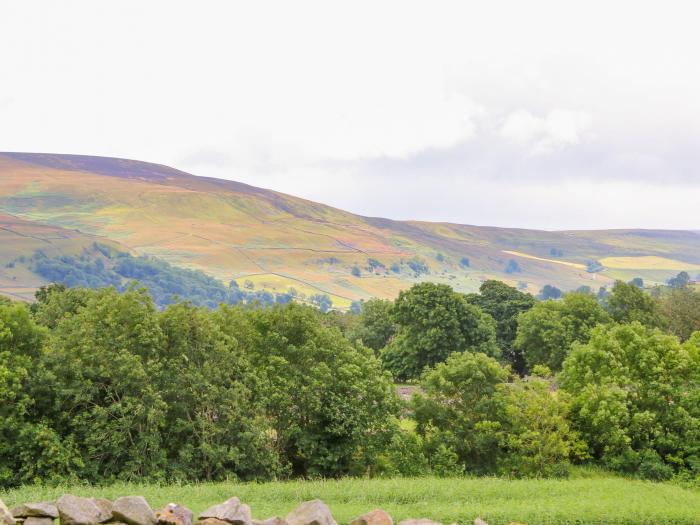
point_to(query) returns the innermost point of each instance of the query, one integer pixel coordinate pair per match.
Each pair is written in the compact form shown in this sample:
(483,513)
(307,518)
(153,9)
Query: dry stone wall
(135,510)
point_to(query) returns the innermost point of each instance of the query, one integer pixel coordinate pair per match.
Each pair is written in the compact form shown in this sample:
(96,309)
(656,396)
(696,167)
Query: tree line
(100,385)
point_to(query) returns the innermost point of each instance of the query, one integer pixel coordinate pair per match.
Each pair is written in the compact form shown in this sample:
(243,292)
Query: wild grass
(588,499)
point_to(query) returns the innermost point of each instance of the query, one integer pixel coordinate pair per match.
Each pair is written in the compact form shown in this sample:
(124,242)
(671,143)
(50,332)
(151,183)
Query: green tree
(504,303)
(375,326)
(680,311)
(679,281)
(328,403)
(215,426)
(97,388)
(460,408)
(30,451)
(468,410)
(434,321)
(627,303)
(547,331)
(635,399)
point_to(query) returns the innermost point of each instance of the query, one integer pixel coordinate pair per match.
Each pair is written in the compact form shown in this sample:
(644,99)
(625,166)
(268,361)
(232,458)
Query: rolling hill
(64,204)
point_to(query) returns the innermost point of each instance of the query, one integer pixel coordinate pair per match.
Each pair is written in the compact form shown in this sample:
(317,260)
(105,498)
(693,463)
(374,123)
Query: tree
(329,405)
(635,399)
(549,292)
(30,451)
(376,326)
(504,303)
(513,267)
(547,331)
(469,411)
(638,282)
(464,262)
(627,303)
(680,311)
(433,322)
(460,408)
(216,426)
(679,281)
(96,387)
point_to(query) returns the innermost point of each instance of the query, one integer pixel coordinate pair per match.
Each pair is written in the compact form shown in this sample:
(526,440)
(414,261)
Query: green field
(581,500)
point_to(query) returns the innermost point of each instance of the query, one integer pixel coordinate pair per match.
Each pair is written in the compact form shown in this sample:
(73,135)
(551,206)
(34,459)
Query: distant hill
(268,240)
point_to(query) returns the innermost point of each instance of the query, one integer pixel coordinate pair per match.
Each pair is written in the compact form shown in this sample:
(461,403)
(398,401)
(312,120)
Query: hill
(268,240)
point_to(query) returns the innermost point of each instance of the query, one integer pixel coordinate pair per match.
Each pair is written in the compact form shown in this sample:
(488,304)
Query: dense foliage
(165,283)
(117,389)
(105,384)
(433,322)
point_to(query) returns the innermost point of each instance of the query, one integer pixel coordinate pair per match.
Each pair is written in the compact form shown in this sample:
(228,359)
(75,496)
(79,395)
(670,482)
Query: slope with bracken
(275,241)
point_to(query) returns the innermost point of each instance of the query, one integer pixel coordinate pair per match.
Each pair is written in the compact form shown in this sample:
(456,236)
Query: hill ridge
(272,240)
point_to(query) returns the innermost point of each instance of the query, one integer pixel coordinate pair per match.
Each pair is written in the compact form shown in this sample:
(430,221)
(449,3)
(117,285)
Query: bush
(636,399)
(474,421)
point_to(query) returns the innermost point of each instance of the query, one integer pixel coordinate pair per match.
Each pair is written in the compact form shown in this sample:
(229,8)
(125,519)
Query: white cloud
(556,129)
(324,99)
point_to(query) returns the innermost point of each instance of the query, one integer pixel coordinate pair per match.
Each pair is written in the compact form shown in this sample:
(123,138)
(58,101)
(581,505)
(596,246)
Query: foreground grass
(599,500)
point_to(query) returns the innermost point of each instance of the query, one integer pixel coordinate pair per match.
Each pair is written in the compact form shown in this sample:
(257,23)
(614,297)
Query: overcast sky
(533,114)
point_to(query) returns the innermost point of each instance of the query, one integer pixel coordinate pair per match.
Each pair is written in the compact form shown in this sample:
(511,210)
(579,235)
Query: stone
(6,517)
(375,517)
(174,514)
(212,521)
(276,520)
(73,510)
(479,521)
(38,520)
(313,512)
(421,521)
(133,510)
(231,511)
(105,507)
(44,509)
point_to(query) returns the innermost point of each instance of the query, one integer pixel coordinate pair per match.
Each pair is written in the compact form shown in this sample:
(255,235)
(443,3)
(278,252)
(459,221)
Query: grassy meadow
(600,499)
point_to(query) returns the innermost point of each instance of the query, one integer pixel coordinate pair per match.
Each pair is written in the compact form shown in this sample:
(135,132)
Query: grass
(599,499)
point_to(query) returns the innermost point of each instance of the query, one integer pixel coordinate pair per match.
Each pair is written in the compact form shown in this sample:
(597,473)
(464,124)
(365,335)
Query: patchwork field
(598,500)
(238,232)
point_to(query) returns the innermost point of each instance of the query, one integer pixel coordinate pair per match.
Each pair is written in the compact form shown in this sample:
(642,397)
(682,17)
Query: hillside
(264,239)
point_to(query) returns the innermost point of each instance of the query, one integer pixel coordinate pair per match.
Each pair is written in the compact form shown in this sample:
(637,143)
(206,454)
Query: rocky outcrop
(313,512)
(231,511)
(133,510)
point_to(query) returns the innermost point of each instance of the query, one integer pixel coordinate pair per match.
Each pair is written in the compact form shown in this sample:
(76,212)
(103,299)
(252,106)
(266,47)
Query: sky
(551,115)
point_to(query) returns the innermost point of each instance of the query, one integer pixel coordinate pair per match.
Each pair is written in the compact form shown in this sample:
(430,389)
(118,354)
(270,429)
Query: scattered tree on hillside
(513,267)
(679,281)
(549,292)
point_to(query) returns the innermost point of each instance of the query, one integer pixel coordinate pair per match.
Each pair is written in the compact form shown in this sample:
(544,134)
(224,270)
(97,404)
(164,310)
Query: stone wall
(135,510)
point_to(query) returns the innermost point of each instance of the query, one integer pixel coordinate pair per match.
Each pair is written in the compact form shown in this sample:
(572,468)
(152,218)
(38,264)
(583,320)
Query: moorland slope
(268,240)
